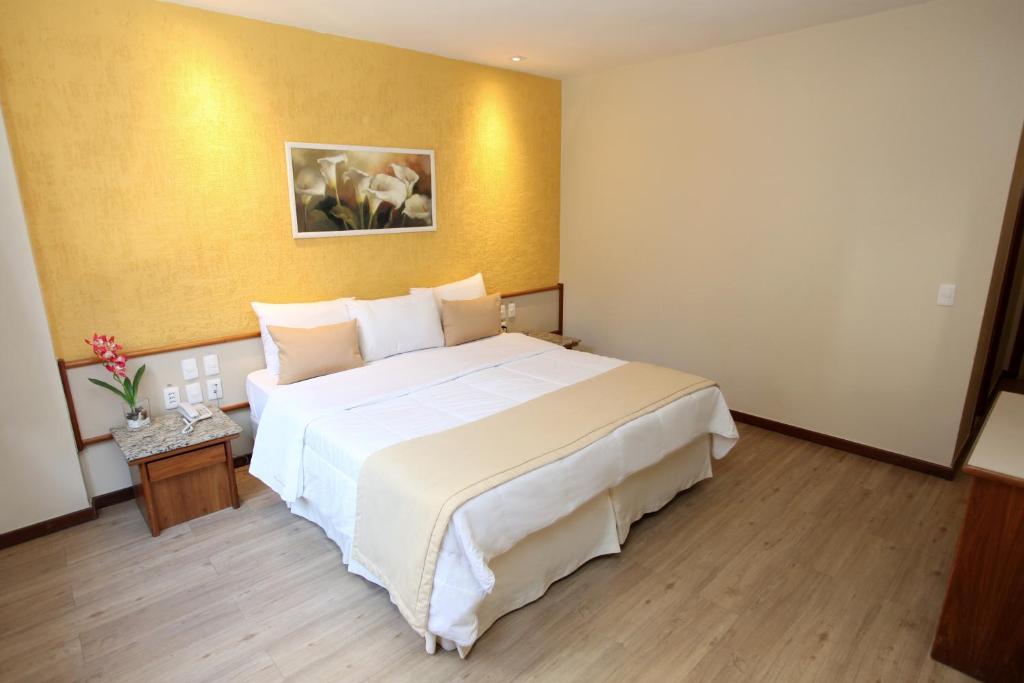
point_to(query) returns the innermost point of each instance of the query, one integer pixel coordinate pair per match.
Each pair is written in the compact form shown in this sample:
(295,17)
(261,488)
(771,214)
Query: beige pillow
(315,351)
(470,319)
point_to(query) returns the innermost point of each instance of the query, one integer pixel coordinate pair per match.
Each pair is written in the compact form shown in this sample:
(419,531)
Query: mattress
(258,387)
(314,437)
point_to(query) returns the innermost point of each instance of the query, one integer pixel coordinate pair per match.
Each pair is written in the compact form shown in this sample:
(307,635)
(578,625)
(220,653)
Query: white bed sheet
(326,428)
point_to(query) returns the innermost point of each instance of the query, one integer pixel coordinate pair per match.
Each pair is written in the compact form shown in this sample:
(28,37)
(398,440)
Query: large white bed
(503,548)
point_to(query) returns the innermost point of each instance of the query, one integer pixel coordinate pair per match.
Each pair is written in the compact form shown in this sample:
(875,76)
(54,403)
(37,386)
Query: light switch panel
(189,368)
(512,309)
(171,397)
(214,389)
(947,295)
(211,364)
(504,312)
(194,392)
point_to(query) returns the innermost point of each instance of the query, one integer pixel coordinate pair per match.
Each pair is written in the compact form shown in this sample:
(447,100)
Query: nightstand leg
(232,483)
(144,499)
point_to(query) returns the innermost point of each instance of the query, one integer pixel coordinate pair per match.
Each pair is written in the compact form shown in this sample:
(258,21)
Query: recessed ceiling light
(518,58)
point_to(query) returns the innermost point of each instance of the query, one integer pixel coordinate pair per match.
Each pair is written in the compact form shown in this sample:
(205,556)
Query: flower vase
(137,416)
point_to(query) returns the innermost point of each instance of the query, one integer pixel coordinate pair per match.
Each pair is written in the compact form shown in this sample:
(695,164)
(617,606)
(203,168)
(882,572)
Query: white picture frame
(338,191)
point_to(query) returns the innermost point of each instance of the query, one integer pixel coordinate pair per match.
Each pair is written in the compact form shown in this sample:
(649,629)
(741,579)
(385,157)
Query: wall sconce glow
(518,58)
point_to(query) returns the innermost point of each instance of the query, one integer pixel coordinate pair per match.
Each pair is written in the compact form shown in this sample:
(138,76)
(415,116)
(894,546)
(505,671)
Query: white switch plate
(194,392)
(171,397)
(512,309)
(504,312)
(947,295)
(189,369)
(214,389)
(211,364)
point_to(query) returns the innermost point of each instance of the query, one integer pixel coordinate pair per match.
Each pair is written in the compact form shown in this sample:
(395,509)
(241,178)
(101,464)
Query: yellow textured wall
(149,144)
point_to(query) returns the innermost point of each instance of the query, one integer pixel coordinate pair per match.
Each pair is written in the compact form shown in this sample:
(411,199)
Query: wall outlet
(171,397)
(947,295)
(512,309)
(194,392)
(214,389)
(211,364)
(189,369)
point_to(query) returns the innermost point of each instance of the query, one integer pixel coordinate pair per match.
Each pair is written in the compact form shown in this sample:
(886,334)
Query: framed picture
(342,190)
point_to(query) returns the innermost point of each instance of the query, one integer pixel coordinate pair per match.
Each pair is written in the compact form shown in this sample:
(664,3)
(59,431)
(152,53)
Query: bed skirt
(523,573)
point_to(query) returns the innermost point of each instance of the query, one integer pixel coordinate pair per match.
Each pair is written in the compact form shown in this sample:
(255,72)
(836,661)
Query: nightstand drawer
(180,464)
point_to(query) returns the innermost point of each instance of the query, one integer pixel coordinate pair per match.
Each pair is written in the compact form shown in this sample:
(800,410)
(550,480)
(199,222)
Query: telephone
(192,414)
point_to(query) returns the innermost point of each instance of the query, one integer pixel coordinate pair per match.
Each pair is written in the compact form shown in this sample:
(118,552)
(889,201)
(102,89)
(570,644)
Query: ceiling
(559,38)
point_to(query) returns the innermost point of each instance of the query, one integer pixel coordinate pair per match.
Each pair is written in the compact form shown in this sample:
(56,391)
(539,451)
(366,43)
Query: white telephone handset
(192,414)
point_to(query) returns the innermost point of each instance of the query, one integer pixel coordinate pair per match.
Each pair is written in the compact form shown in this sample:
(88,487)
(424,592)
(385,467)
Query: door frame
(993,322)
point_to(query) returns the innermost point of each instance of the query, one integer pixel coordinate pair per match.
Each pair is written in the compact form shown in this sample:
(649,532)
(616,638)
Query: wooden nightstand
(560,339)
(177,476)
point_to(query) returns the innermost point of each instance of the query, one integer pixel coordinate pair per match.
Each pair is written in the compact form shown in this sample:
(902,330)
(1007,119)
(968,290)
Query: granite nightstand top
(164,434)
(560,339)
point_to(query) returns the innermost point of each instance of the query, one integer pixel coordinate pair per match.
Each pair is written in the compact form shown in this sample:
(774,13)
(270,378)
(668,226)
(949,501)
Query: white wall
(778,215)
(39,473)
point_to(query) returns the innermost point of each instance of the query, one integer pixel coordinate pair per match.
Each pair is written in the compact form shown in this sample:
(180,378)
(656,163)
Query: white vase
(137,417)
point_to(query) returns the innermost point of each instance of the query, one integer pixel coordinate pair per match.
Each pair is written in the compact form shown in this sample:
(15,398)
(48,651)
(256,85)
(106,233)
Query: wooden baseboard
(49,526)
(27,533)
(105,500)
(121,495)
(936,470)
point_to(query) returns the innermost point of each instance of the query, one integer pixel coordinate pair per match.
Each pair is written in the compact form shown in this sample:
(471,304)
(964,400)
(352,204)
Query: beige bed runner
(408,492)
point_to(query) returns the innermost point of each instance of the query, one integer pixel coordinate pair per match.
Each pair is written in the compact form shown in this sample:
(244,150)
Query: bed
(504,547)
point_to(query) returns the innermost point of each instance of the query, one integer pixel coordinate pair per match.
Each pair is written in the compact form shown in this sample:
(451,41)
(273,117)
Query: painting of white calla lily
(339,190)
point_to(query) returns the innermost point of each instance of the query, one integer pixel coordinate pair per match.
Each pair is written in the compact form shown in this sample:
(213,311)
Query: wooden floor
(796,562)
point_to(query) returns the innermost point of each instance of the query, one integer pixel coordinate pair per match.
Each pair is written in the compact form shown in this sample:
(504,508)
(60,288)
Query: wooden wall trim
(62,369)
(105,500)
(63,366)
(936,470)
(561,305)
(170,348)
(100,438)
(49,526)
(535,290)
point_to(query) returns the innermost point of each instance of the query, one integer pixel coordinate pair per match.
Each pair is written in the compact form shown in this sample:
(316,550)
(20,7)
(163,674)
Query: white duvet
(315,435)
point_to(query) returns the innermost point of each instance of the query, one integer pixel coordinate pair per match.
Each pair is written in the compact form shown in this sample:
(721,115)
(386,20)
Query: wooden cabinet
(179,486)
(981,630)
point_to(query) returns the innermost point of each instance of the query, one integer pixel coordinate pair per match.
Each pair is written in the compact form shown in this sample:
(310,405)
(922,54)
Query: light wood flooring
(796,562)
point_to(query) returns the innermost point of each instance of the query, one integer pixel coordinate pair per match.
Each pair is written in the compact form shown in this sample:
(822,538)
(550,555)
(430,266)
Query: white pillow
(314,314)
(396,325)
(470,288)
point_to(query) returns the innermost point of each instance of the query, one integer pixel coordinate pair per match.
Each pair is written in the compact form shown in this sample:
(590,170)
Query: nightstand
(560,339)
(177,476)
